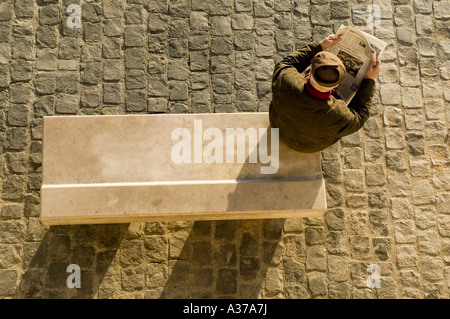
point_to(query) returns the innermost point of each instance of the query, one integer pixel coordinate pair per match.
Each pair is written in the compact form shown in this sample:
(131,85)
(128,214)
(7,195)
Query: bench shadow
(91,247)
(227,258)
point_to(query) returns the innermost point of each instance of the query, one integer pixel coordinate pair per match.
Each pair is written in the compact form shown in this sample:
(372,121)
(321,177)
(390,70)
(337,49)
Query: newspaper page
(356,49)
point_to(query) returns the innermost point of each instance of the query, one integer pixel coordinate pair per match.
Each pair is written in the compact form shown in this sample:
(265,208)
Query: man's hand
(329,41)
(373,70)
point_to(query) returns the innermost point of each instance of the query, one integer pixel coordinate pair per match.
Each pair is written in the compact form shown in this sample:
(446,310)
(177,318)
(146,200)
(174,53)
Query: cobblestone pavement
(388,185)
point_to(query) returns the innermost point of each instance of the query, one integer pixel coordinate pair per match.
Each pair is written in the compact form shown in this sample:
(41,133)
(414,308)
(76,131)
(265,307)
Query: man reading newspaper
(306,108)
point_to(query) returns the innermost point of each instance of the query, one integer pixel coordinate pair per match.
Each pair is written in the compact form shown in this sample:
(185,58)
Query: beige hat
(327,69)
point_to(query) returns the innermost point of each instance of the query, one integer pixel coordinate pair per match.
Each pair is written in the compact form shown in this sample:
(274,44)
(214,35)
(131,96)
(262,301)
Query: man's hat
(327,69)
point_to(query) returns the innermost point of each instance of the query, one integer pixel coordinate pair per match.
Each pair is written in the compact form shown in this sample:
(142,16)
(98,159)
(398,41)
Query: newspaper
(356,49)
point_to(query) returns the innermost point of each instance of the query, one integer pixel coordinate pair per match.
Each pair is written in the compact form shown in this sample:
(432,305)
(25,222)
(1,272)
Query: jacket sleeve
(299,59)
(360,107)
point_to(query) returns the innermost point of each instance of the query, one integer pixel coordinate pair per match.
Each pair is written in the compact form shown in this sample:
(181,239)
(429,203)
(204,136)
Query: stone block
(427,46)
(139,179)
(428,242)
(158,86)
(178,48)
(403,16)
(69,49)
(353,180)
(134,36)
(18,115)
(441,10)
(415,143)
(409,76)
(338,269)
(45,82)
(320,14)
(425,217)
(407,256)
(404,232)
(199,41)
(316,258)
(111,48)
(9,277)
(67,82)
(112,27)
(401,208)
(67,104)
(294,271)
(382,248)
(20,71)
(411,98)
(295,246)
(390,94)
(44,105)
(395,138)
(433,268)
(414,120)
(221,46)
(314,235)
(92,12)
(392,116)
(157,275)
(92,32)
(389,73)
(20,93)
(6,11)
(340,10)
(90,97)
(133,15)
(112,93)
(375,175)
(422,6)
(13,211)
(198,21)
(360,246)
(400,184)
(423,193)
(91,73)
(17,162)
(444,225)
(16,138)
(317,283)
(157,105)
(227,281)
(135,79)
(354,139)
(359,14)
(136,100)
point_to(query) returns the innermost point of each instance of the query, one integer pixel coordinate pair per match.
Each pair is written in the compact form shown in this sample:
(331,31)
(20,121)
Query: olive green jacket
(307,124)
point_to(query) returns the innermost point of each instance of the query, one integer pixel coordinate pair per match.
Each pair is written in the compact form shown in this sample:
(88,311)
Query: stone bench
(172,167)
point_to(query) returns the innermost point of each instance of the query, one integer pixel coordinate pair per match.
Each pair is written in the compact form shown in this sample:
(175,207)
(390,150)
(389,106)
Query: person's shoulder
(292,78)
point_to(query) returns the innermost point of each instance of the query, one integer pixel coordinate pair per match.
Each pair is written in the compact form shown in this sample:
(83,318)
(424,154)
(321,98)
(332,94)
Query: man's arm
(360,107)
(362,101)
(301,59)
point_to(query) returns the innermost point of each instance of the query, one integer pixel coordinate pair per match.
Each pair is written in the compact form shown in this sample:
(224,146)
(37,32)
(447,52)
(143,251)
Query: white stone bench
(172,167)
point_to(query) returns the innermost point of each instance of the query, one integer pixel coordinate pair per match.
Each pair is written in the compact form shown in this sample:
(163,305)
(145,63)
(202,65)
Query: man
(306,109)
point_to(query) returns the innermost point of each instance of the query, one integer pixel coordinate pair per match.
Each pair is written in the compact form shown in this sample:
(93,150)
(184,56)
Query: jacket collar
(317,94)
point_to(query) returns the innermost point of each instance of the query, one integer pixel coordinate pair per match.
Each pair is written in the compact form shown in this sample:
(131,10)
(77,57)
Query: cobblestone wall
(388,185)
